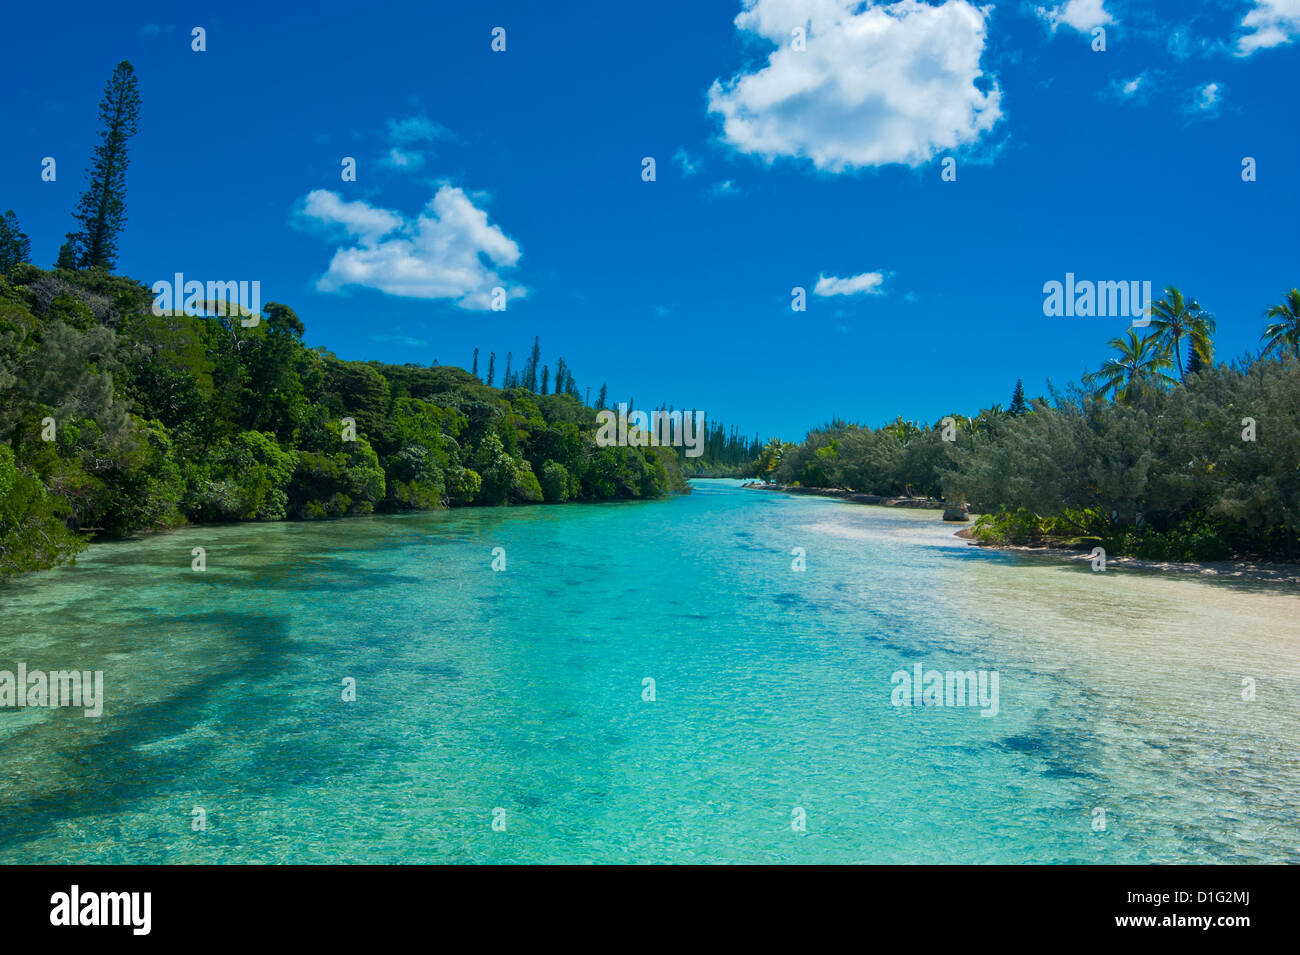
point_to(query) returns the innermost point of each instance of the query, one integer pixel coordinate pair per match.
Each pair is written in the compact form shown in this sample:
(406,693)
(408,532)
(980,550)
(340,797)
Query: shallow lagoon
(522,690)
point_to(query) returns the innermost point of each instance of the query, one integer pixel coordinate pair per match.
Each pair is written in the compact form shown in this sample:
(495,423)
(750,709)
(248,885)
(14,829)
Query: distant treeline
(726,453)
(114,420)
(1200,465)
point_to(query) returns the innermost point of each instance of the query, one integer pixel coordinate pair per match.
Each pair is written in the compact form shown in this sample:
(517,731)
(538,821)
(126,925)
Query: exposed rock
(956,512)
(852,496)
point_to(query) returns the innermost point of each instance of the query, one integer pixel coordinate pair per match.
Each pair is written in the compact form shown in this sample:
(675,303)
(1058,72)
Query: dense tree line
(1154,456)
(725,452)
(114,420)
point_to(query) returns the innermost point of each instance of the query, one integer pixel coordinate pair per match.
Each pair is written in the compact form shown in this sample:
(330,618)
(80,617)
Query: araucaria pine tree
(102,209)
(68,252)
(1018,404)
(530,369)
(15,246)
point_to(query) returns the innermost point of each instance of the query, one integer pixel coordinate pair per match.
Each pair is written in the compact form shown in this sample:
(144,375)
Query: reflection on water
(523,690)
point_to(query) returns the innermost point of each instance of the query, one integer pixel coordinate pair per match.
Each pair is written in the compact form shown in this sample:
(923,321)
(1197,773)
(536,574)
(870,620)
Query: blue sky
(775,167)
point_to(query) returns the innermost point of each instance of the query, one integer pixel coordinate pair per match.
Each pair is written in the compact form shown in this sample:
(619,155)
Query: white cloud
(869,283)
(356,218)
(398,158)
(724,188)
(1271,23)
(690,164)
(1207,100)
(1081,15)
(444,253)
(882,84)
(406,140)
(406,340)
(415,129)
(1137,89)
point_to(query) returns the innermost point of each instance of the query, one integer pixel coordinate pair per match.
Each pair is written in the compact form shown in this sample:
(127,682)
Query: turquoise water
(522,691)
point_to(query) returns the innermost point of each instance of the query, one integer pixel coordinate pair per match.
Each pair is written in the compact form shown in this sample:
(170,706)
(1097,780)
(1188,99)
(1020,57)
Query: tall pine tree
(15,247)
(530,370)
(492,367)
(67,252)
(102,209)
(1018,404)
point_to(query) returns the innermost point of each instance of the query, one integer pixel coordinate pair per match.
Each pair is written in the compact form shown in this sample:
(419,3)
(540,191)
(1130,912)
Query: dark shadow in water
(1063,752)
(792,601)
(111,773)
(333,574)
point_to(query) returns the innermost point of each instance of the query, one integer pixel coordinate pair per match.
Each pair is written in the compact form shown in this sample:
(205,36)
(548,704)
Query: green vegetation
(1202,465)
(1139,360)
(115,421)
(101,212)
(1283,334)
(15,246)
(725,453)
(1172,320)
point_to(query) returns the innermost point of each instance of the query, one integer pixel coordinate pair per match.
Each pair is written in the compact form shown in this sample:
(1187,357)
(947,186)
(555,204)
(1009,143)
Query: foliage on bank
(114,420)
(1203,464)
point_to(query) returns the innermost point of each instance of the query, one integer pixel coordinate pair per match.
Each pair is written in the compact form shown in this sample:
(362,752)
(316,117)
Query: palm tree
(959,423)
(903,430)
(1172,318)
(1284,333)
(1138,359)
(987,419)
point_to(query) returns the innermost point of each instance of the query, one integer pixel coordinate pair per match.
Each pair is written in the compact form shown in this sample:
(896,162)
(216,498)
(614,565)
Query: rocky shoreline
(1242,570)
(951,511)
(1252,570)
